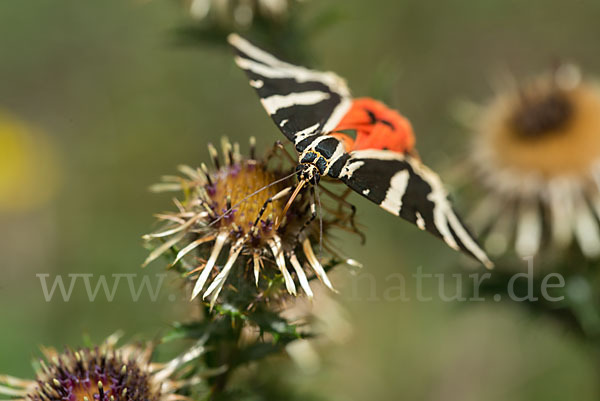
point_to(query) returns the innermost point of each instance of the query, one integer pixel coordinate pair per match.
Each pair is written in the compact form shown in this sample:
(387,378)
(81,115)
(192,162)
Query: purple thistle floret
(102,376)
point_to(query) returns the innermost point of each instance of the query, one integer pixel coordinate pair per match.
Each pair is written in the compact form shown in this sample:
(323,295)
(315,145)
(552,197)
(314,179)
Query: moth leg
(273,198)
(313,214)
(279,149)
(286,154)
(341,199)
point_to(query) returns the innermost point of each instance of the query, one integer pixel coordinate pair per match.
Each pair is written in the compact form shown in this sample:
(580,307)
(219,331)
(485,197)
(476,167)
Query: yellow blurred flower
(29,167)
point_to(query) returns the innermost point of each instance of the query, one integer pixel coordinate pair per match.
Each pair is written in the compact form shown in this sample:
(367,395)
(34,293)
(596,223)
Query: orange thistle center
(541,115)
(231,189)
(545,130)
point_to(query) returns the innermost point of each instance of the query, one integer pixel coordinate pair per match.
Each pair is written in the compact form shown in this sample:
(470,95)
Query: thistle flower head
(537,153)
(236,208)
(239,13)
(104,373)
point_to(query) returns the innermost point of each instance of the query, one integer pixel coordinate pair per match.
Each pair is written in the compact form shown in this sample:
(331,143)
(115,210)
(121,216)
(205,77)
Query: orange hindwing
(375,126)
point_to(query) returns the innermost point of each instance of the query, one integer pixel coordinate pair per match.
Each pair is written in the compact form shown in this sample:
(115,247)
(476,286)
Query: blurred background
(99,99)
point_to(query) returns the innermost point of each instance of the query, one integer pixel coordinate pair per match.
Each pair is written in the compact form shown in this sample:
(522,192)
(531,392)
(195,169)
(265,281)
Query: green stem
(225,350)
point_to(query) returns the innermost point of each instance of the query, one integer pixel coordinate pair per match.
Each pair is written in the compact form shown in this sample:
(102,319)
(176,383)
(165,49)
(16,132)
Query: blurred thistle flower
(236,205)
(104,373)
(29,167)
(537,154)
(230,14)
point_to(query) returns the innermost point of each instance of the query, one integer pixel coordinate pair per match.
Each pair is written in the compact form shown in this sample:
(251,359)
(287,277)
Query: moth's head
(308,172)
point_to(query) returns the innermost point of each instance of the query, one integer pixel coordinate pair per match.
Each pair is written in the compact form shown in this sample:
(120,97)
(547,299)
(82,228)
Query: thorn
(354,263)
(100,391)
(51,391)
(214,155)
(252,148)
(205,171)
(237,157)
(226,146)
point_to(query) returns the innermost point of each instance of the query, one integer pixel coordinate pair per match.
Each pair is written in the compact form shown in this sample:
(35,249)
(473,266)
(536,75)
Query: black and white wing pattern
(405,187)
(302,102)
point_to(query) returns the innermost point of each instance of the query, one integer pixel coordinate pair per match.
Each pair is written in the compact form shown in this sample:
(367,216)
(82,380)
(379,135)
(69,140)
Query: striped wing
(405,187)
(302,102)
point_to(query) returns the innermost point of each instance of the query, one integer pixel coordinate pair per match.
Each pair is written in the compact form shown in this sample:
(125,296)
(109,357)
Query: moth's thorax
(326,153)
(316,159)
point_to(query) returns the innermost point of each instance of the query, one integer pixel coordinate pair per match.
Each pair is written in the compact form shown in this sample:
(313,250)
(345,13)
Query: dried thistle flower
(235,206)
(537,153)
(104,373)
(239,13)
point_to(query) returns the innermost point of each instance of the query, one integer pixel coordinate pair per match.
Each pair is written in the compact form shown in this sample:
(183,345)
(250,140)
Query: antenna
(320,222)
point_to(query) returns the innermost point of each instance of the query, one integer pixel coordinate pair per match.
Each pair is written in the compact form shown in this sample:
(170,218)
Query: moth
(361,142)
